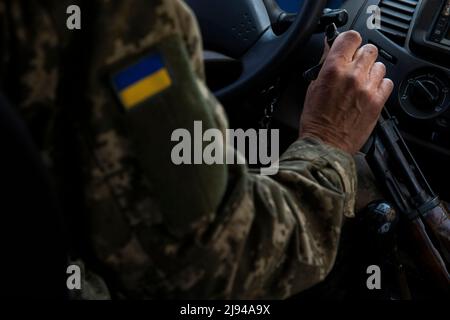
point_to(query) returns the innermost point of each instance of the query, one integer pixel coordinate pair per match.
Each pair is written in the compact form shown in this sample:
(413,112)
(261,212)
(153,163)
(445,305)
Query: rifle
(428,220)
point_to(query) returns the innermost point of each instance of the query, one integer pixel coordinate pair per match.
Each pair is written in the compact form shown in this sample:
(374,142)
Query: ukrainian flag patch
(142,81)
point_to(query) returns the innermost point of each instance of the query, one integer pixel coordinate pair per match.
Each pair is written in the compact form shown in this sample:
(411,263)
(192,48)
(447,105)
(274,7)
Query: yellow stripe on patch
(146,88)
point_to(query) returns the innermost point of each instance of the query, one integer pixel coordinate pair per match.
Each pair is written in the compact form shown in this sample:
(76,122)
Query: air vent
(396,18)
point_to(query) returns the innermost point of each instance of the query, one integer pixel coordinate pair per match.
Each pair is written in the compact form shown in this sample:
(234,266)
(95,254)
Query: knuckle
(369,96)
(334,70)
(365,92)
(353,79)
(373,103)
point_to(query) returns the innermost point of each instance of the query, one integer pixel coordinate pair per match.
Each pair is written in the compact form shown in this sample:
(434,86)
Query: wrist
(327,139)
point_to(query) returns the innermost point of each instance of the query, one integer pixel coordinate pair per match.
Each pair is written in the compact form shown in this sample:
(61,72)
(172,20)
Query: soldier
(148,227)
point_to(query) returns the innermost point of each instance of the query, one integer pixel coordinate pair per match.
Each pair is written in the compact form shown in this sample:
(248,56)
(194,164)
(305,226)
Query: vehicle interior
(246,60)
(256,54)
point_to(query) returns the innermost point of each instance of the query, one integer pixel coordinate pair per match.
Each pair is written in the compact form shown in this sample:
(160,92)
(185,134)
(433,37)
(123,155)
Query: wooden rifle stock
(428,256)
(428,219)
(437,221)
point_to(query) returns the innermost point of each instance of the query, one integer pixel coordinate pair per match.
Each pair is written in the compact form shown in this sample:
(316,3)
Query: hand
(343,105)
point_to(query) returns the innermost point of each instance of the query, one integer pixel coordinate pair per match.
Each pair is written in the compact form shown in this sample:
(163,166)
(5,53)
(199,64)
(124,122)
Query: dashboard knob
(425,94)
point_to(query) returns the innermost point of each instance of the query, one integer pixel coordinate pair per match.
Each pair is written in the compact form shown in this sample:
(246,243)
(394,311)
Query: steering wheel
(243,30)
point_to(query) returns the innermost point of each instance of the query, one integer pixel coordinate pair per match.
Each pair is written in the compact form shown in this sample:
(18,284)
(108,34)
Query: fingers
(385,90)
(368,73)
(345,47)
(386,87)
(377,74)
(365,57)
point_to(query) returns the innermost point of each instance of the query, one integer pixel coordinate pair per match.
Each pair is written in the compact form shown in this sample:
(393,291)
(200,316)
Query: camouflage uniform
(159,230)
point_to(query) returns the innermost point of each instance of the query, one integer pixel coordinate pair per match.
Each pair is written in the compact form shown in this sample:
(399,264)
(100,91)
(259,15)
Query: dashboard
(413,39)
(414,43)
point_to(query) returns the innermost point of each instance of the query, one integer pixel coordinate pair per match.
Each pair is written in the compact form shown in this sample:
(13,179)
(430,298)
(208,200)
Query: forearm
(288,226)
(297,220)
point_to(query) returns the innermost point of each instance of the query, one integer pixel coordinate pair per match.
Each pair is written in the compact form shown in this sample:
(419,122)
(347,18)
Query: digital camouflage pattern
(154,229)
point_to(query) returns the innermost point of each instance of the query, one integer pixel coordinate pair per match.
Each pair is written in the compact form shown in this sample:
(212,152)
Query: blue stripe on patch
(137,72)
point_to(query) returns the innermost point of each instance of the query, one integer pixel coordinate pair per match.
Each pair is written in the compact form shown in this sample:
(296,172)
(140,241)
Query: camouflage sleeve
(276,236)
(270,237)
(273,237)
(279,235)
(289,240)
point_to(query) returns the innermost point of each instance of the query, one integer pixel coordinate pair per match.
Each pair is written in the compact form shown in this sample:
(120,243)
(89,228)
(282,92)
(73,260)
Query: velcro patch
(142,81)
